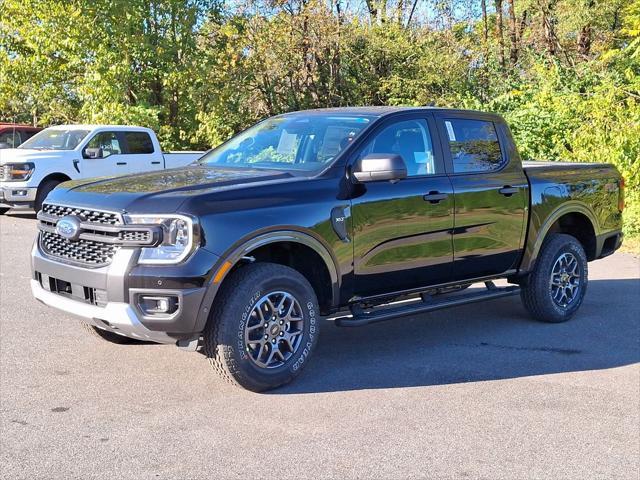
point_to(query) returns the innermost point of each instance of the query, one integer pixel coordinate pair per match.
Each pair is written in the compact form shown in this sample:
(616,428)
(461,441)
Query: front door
(491,193)
(113,160)
(402,230)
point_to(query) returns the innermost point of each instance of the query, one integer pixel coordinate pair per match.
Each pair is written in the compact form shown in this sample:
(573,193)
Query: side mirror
(380,166)
(93,153)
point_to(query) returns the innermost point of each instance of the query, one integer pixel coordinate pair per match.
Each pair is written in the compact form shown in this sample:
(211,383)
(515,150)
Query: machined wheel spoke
(565,279)
(278,332)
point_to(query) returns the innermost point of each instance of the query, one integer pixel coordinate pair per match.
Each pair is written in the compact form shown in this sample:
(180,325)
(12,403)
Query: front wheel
(263,326)
(43,190)
(556,288)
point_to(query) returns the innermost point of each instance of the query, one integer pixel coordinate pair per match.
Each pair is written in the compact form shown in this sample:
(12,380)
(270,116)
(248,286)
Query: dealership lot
(473,392)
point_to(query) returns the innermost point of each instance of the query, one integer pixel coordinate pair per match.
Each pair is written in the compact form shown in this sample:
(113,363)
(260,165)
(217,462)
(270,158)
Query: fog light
(158,305)
(19,193)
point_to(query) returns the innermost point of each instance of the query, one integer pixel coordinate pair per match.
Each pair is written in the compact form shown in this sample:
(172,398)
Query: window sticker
(452,135)
(287,144)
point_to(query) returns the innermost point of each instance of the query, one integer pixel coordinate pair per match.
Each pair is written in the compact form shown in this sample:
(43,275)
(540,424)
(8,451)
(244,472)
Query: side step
(360,317)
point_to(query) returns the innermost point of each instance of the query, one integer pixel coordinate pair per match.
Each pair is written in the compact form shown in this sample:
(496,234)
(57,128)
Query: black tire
(43,190)
(3,211)
(236,308)
(107,336)
(538,294)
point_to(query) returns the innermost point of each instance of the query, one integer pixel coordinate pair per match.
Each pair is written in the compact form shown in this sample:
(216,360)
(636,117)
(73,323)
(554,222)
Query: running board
(427,304)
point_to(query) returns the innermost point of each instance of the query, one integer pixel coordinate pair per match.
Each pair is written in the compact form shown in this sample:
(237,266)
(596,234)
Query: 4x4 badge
(68,227)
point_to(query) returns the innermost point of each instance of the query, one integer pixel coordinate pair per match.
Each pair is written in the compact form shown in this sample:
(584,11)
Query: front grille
(93,216)
(137,236)
(88,252)
(99,237)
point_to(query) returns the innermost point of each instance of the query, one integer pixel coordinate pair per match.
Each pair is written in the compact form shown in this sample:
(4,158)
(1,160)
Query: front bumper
(16,195)
(116,317)
(104,298)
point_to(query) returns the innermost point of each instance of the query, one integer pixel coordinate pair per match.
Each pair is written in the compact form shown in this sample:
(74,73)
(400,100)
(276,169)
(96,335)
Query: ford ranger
(65,152)
(355,214)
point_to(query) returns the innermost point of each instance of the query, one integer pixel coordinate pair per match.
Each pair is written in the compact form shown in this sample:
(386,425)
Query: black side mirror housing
(93,153)
(380,166)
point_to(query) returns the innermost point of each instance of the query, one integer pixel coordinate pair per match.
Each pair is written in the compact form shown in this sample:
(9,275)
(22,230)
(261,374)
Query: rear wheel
(263,326)
(556,288)
(107,336)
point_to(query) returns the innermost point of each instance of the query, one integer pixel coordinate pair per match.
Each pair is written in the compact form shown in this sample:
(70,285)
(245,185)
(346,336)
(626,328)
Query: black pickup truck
(356,214)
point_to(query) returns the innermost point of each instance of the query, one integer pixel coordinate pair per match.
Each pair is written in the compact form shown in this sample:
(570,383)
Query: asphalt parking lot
(474,392)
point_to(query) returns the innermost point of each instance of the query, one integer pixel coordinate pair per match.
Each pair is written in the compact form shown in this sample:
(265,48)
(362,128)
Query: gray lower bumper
(114,316)
(11,197)
(117,310)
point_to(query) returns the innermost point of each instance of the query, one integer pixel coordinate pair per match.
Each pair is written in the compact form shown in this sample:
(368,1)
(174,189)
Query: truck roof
(380,111)
(17,125)
(87,126)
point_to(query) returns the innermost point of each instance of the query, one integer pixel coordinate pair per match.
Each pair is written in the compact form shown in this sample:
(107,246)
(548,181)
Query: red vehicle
(13,134)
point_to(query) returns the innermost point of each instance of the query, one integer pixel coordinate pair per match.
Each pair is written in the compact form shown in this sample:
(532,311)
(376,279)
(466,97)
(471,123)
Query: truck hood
(160,191)
(17,155)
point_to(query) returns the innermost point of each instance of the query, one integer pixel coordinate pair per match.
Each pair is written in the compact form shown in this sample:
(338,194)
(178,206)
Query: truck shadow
(22,214)
(491,341)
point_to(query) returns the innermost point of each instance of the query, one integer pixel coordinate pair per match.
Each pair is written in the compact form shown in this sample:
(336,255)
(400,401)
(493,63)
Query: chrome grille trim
(102,234)
(86,252)
(104,217)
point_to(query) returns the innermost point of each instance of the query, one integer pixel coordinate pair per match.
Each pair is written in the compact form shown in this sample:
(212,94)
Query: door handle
(435,197)
(155,163)
(121,163)
(508,190)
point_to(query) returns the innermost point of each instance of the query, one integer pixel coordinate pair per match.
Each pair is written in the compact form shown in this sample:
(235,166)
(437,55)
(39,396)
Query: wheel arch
(255,248)
(573,218)
(58,176)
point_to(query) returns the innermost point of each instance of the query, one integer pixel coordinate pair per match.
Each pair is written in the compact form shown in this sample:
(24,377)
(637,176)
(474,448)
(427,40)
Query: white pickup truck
(68,152)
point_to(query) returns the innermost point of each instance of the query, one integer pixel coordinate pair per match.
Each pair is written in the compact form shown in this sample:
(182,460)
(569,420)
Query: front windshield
(56,139)
(304,142)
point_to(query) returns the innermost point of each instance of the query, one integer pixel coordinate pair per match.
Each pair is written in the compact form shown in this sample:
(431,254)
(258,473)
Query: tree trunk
(500,32)
(549,26)
(584,38)
(513,36)
(485,25)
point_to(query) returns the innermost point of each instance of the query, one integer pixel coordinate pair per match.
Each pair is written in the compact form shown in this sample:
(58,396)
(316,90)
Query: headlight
(16,172)
(179,238)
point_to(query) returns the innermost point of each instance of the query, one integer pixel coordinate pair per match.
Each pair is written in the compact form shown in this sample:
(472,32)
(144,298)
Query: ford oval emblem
(68,227)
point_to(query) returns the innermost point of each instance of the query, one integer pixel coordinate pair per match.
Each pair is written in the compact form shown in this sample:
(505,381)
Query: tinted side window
(11,139)
(139,142)
(411,140)
(108,142)
(473,144)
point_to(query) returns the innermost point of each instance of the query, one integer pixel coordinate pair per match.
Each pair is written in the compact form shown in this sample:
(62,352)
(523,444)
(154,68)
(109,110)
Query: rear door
(491,192)
(141,153)
(402,230)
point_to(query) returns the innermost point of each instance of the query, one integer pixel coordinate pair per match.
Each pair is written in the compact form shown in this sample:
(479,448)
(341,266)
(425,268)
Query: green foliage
(198,72)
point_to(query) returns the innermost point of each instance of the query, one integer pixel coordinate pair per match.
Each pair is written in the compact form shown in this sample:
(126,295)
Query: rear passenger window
(138,142)
(473,144)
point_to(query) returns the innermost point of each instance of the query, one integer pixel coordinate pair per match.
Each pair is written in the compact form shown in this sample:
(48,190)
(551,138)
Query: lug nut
(273,341)
(266,336)
(282,334)
(281,322)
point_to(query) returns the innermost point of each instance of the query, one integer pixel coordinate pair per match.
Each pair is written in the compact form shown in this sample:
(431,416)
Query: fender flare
(235,254)
(534,245)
